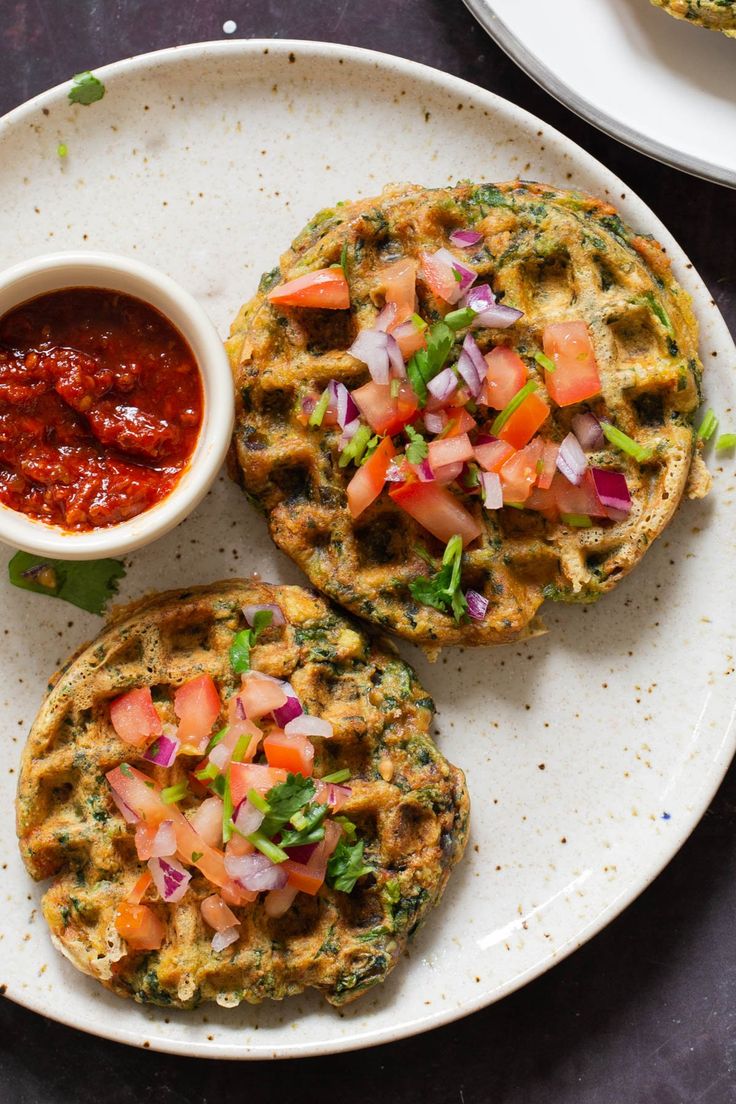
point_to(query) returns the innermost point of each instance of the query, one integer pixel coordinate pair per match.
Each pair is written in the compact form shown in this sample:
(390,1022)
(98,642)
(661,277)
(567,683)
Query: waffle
(408,803)
(716,15)
(557,256)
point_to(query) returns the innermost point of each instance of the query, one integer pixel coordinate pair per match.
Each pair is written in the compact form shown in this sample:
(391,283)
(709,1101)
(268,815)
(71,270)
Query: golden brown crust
(410,805)
(557,256)
(716,15)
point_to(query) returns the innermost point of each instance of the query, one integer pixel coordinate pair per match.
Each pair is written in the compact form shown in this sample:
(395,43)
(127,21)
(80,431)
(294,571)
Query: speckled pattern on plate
(590,752)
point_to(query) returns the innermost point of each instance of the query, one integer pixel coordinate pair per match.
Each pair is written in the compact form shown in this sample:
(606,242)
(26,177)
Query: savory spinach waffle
(716,15)
(556,256)
(407,802)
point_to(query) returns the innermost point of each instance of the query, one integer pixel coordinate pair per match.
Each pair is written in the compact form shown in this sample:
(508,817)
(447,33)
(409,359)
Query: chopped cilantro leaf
(285,800)
(125,770)
(197,855)
(442,590)
(261,621)
(86,89)
(370,448)
(418,449)
(346,865)
(244,641)
(310,828)
(426,363)
(347,826)
(89,584)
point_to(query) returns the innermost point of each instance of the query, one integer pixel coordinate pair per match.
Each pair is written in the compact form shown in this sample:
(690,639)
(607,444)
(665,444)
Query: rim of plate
(567,96)
(727,747)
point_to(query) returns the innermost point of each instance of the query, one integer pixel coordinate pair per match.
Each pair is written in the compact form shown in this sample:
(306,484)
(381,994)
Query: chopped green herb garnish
(315,418)
(344,259)
(418,322)
(370,448)
(708,426)
(458,319)
(286,799)
(125,770)
(354,449)
(347,825)
(418,449)
(197,855)
(216,739)
(218,785)
(240,651)
(88,584)
(309,829)
(622,441)
(337,776)
(510,408)
(62,149)
(267,848)
(170,794)
(240,749)
(649,300)
(442,590)
(426,363)
(545,362)
(726,441)
(258,801)
(261,621)
(227,809)
(86,89)
(206,774)
(578,521)
(346,865)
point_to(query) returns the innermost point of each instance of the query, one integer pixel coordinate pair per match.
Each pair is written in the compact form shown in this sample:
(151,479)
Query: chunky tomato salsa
(100,407)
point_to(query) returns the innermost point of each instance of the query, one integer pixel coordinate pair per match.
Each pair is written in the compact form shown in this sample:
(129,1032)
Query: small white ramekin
(56,271)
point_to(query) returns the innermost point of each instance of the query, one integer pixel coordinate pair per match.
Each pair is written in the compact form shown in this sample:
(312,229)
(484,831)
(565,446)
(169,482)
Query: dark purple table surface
(646,1012)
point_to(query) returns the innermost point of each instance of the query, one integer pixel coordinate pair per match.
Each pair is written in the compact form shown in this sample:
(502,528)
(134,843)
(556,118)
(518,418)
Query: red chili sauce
(100,407)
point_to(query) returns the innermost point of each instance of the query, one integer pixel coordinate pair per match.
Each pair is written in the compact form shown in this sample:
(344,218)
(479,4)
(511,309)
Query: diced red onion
(406,329)
(471,366)
(239,709)
(385,317)
(342,403)
(394,473)
(223,939)
(448,472)
(303,853)
(612,490)
(349,432)
(255,872)
(435,423)
(309,726)
(163,844)
(127,813)
(371,346)
(587,429)
(396,360)
(424,472)
(492,490)
(170,877)
(279,901)
(477,605)
(247,818)
(221,755)
(465,239)
(467,275)
(291,708)
(485,439)
(442,386)
(162,751)
(571,460)
(308,405)
(337,795)
(488,312)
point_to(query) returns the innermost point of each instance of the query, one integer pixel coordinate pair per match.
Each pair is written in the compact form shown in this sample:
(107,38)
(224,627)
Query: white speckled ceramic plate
(661,85)
(590,752)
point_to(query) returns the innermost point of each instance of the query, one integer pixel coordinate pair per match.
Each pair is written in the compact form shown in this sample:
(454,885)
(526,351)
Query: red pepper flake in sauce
(100,407)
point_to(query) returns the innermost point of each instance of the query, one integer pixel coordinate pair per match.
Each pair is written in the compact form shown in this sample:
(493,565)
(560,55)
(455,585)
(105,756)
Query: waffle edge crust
(716,15)
(557,256)
(409,804)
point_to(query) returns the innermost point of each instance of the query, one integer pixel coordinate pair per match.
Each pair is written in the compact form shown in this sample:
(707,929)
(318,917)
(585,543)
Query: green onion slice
(337,776)
(267,848)
(174,793)
(726,441)
(510,408)
(315,418)
(622,441)
(708,426)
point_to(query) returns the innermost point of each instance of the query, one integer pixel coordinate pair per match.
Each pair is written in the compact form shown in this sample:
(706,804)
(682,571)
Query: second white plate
(665,87)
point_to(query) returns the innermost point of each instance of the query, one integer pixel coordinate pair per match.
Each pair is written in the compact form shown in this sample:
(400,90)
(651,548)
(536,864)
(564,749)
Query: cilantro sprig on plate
(442,590)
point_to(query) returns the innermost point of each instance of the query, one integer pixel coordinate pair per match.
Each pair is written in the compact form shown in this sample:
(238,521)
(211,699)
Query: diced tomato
(140,888)
(239,726)
(367,483)
(384,414)
(521,426)
(410,340)
(549,465)
(144,837)
(493,455)
(302,878)
(197,705)
(460,422)
(134,717)
(207,820)
(399,284)
(518,476)
(575,376)
(577,500)
(450,450)
(332,794)
(439,278)
(259,695)
(252,776)
(506,375)
(437,510)
(327,287)
(238,845)
(234,894)
(292,753)
(448,473)
(139,926)
(216,913)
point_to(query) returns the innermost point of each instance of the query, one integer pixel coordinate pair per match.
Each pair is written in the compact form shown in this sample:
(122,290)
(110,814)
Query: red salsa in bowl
(101,405)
